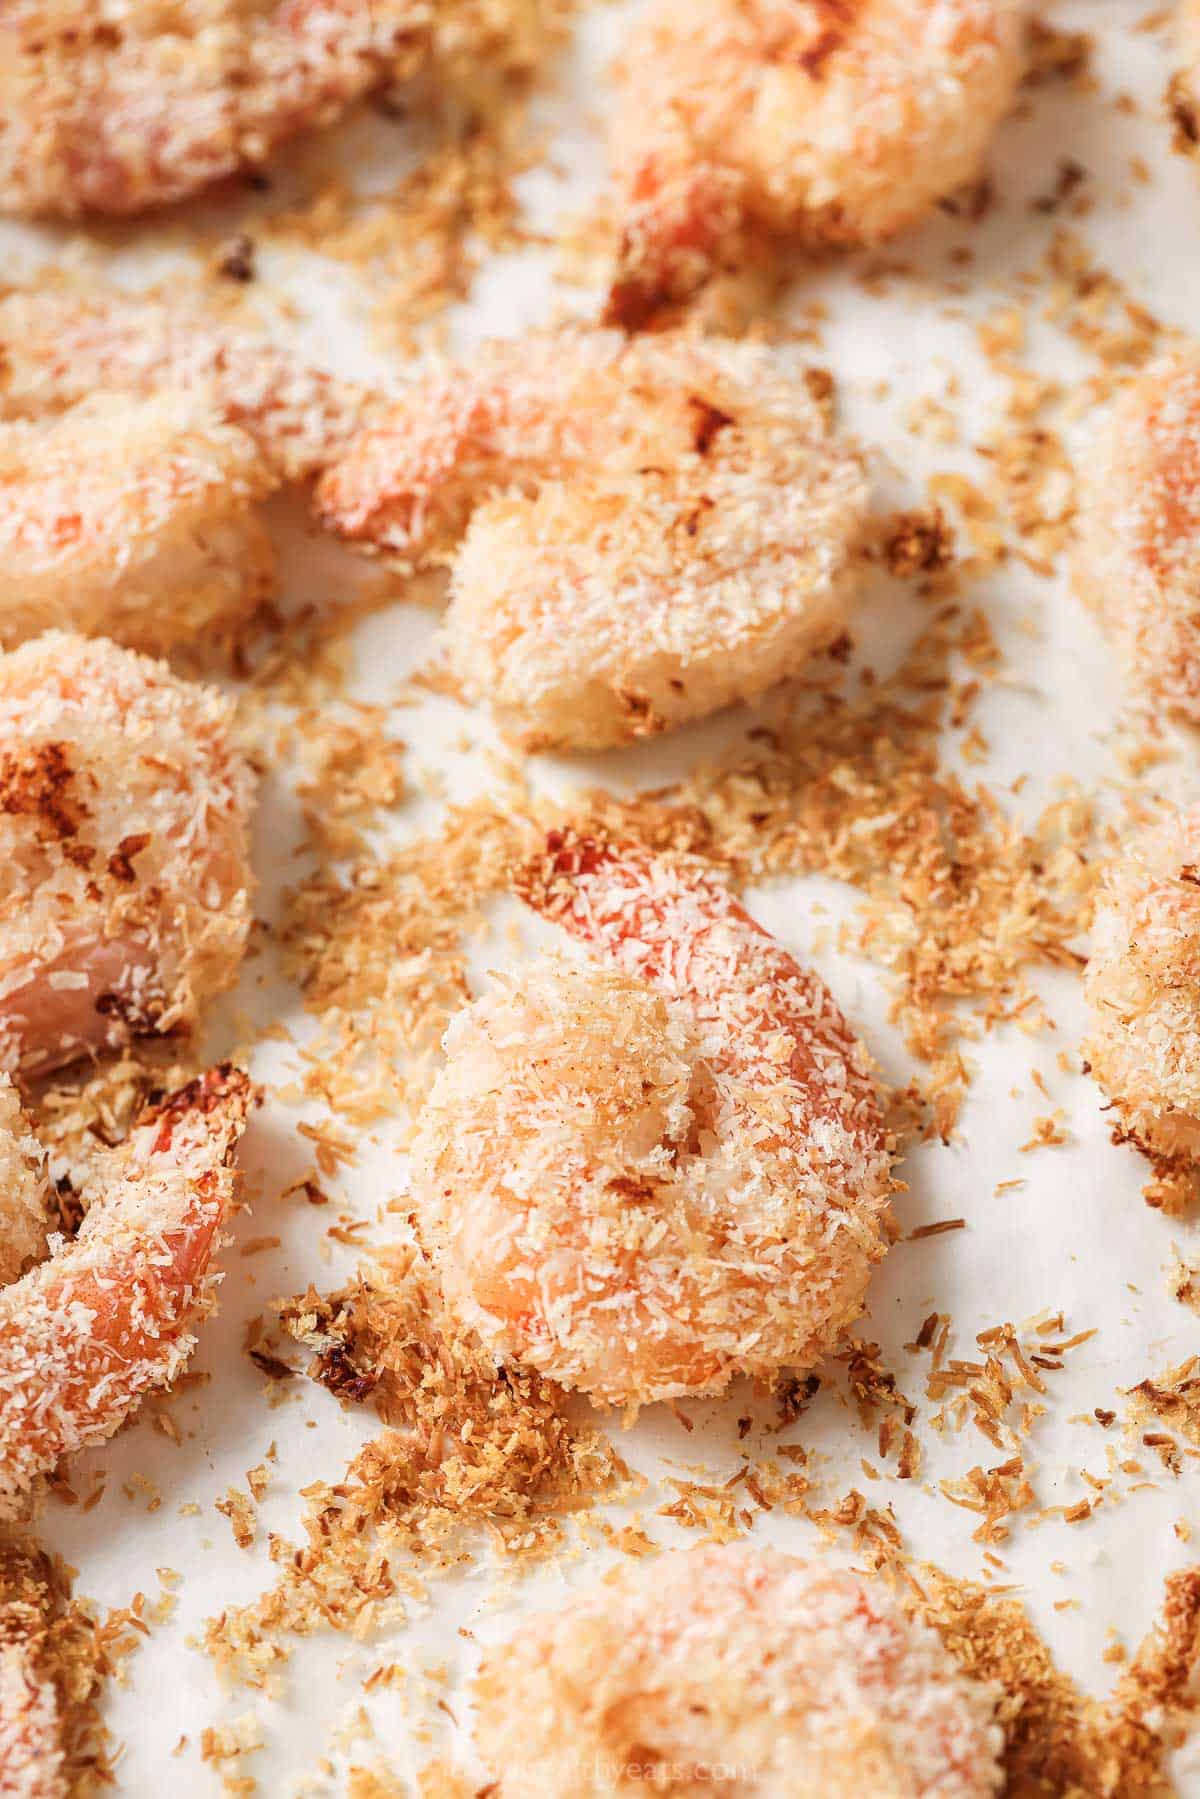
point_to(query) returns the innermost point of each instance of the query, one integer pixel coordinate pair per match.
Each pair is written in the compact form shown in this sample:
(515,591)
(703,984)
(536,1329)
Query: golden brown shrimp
(131,519)
(87,1334)
(739,1672)
(834,121)
(1143,987)
(130,104)
(60,347)
(653,530)
(645,1177)
(1138,552)
(24,1196)
(124,875)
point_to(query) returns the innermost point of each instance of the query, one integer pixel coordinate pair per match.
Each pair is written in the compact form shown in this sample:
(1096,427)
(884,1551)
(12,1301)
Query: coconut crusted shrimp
(1143,987)
(87,1334)
(124,875)
(130,104)
(647,1175)
(740,1672)
(58,348)
(649,530)
(1138,554)
(832,121)
(134,520)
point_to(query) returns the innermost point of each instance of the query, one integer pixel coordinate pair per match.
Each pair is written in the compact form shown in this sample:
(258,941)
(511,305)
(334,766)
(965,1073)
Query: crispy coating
(833,121)
(87,1334)
(1143,987)
(60,347)
(131,519)
(24,1207)
(1138,552)
(649,531)
(739,1672)
(124,874)
(32,1757)
(131,104)
(645,1177)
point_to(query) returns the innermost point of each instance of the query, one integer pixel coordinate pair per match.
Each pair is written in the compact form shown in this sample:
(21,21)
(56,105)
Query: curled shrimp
(1143,988)
(134,520)
(1137,560)
(107,1319)
(120,107)
(58,347)
(649,530)
(647,1175)
(831,121)
(124,874)
(739,1671)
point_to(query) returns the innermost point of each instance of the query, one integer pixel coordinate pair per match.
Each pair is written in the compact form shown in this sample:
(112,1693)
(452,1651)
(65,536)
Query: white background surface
(1075,1236)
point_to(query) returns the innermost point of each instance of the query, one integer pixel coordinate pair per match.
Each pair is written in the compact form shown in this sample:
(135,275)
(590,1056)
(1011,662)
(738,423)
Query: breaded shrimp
(24,1197)
(1143,987)
(1184,92)
(645,1177)
(57,348)
(130,104)
(131,519)
(86,1335)
(739,1672)
(1138,552)
(124,874)
(829,121)
(653,530)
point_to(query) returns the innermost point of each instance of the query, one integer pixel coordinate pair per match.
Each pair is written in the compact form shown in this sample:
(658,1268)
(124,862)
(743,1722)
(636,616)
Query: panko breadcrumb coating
(131,519)
(117,108)
(24,1208)
(1143,987)
(124,874)
(1138,553)
(650,530)
(87,1334)
(645,1177)
(58,347)
(830,121)
(738,1672)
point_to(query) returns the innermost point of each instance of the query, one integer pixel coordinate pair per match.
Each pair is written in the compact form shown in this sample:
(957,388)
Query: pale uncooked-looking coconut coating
(747,1674)
(1143,987)
(133,519)
(125,880)
(645,1175)
(639,533)
(1138,553)
(839,121)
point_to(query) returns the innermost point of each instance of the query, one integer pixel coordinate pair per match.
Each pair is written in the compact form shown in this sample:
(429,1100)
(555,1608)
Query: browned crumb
(1055,55)
(70,1649)
(471,1454)
(1185,1282)
(1166,1408)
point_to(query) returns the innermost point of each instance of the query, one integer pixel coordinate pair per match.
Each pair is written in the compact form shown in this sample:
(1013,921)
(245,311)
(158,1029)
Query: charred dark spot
(271,1366)
(707,421)
(834,19)
(336,1370)
(795,1396)
(1185,116)
(120,863)
(39,786)
(236,261)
